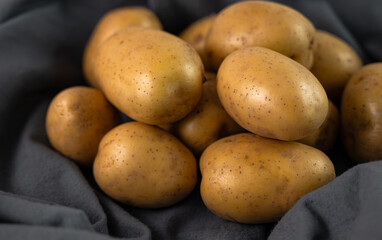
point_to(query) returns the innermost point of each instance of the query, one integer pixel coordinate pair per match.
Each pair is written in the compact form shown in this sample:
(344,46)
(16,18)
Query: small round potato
(250,179)
(271,95)
(144,166)
(196,34)
(111,23)
(361,114)
(207,122)
(334,63)
(151,76)
(263,24)
(76,121)
(325,137)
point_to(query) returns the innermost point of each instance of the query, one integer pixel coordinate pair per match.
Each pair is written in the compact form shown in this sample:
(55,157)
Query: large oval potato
(361,114)
(196,34)
(76,121)
(335,62)
(250,179)
(271,95)
(111,23)
(207,122)
(151,76)
(263,24)
(144,166)
(325,137)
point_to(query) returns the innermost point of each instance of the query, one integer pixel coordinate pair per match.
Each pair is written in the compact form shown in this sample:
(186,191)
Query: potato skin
(151,76)
(250,179)
(325,137)
(335,62)
(196,33)
(144,166)
(263,24)
(271,95)
(207,122)
(76,120)
(111,23)
(361,114)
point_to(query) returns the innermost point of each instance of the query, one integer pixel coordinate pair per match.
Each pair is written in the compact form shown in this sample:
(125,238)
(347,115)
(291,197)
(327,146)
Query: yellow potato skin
(144,166)
(335,62)
(250,179)
(207,122)
(76,121)
(271,95)
(263,24)
(111,23)
(196,34)
(361,114)
(152,76)
(325,137)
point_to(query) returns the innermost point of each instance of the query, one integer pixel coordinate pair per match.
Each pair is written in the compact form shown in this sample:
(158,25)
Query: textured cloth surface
(43,195)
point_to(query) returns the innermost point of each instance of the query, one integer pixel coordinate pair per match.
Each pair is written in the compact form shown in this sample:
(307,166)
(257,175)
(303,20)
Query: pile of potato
(244,91)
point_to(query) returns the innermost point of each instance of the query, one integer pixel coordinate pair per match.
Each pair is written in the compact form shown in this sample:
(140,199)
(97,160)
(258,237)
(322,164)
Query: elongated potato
(151,76)
(263,24)
(250,179)
(271,95)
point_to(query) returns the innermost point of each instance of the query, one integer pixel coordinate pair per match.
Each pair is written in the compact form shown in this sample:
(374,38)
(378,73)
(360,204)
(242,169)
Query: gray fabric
(43,195)
(347,208)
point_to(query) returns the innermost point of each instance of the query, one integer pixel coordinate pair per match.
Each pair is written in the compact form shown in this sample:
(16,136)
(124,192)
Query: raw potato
(144,166)
(325,137)
(263,24)
(196,34)
(111,23)
(361,114)
(250,179)
(271,95)
(334,63)
(151,76)
(76,121)
(207,122)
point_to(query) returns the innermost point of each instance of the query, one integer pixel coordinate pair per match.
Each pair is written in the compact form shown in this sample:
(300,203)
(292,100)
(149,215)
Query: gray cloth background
(43,195)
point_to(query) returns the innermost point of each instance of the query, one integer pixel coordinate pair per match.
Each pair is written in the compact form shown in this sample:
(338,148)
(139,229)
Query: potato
(144,166)
(361,114)
(207,122)
(111,23)
(271,95)
(76,121)
(151,76)
(263,24)
(325,137)
(250,179)
(334,63)
(196,33)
